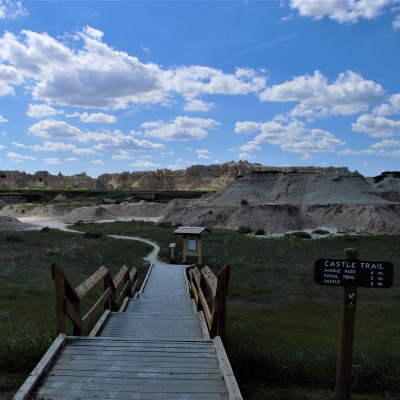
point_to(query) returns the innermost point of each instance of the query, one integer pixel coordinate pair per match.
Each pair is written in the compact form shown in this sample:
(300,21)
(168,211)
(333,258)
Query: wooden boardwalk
(156,347)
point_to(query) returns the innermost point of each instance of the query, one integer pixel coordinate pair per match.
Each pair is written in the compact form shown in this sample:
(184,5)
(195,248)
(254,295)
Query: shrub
(321,232)
(300,235)
(244,229)
(260,232)
(93,235)
(244,202)
(14,237)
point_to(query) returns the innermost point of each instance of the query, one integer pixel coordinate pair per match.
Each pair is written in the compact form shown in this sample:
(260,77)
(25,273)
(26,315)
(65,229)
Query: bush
(244,229)
(321,232)
(300,235)
(93,235)
(14,237)
(260,232)
(244,202)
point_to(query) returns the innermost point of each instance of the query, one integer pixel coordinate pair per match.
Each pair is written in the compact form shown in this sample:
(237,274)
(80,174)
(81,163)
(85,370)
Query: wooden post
(60,299)
(345,356)
(76,331)
(222,288)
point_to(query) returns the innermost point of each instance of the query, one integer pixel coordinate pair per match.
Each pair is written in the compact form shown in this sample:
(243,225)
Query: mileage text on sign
(356,273)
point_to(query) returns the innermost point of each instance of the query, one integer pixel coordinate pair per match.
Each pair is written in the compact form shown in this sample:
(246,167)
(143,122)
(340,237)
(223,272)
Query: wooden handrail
(201,282)
(68,299)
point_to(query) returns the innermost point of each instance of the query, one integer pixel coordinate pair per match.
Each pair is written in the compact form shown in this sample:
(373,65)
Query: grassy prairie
(27,323)
(282,328)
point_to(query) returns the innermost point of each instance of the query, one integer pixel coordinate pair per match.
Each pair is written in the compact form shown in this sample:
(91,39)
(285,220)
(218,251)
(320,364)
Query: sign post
(345,356)
(350,273)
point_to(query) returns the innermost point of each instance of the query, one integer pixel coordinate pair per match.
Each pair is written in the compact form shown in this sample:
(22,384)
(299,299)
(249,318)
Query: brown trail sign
(350,273)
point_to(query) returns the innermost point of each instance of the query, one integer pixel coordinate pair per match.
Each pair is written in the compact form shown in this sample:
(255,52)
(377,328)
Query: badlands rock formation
(196,177)
(286,201)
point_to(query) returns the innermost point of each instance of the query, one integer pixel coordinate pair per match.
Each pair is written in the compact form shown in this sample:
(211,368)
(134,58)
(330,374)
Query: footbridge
(164,341)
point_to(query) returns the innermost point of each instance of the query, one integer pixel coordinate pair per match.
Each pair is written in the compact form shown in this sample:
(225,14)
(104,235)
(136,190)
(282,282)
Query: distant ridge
(196,177)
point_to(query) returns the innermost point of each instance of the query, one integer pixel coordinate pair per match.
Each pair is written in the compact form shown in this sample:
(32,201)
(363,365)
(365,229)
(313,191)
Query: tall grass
(282,333)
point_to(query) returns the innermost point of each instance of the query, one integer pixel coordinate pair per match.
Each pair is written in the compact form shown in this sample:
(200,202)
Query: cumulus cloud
(52,161)
(342,10)
(97,162)
(192,81)
(104,140)
(293,137)
(12,9)
(396,23)
(144,164)
(98,76)
(376,126)
(123,155)
(198,106)
(51,128)
(9,76)
(2,119)
(181,129)
(349,94)
(16,157)
(97,118)
(71,159)
(41,111)
(203,154)
(58,146)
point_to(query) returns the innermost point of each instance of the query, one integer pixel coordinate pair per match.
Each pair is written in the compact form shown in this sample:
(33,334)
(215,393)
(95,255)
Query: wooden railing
(69,299)
(203,282)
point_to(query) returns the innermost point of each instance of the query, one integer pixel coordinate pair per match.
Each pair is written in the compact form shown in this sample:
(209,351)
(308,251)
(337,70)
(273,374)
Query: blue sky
(112,86)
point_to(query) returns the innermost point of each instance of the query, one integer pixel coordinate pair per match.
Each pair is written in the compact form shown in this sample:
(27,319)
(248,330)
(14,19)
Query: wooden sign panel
(355,273)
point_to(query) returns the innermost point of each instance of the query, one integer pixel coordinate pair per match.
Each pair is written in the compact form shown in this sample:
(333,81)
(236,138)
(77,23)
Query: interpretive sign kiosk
(192,240)
(350,273)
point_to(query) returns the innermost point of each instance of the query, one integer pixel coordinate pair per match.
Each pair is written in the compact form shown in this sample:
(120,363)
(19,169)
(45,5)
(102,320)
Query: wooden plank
(99,325)
(75,317)
(120,276)
(146,278)
(84,288)
(204,327)
(133,274)
(87,319)
(124,304)
(211,280)
(205,309)
(226,370)
(26,389)
(196,276)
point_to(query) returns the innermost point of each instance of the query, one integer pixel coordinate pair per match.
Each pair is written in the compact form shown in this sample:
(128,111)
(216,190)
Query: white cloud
(386,143)
(11,9)
(370,152)
(293,137)
(2,119)
(250,147)
(144,164)
(181,129)
(42,110)
(71,159)
(9,76)
(376,126)
(193,81)
(198,106)
(51,128)
(16,157)
(123,155)
(52,161)
(342,10)
(349,94)
(97,162)
(245,156)
(203,154)
(92,74)
(396,23)
(18,145)
(58,146)
(98,118)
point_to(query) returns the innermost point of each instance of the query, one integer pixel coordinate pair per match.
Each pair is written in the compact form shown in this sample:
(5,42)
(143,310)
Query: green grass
(282,330)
